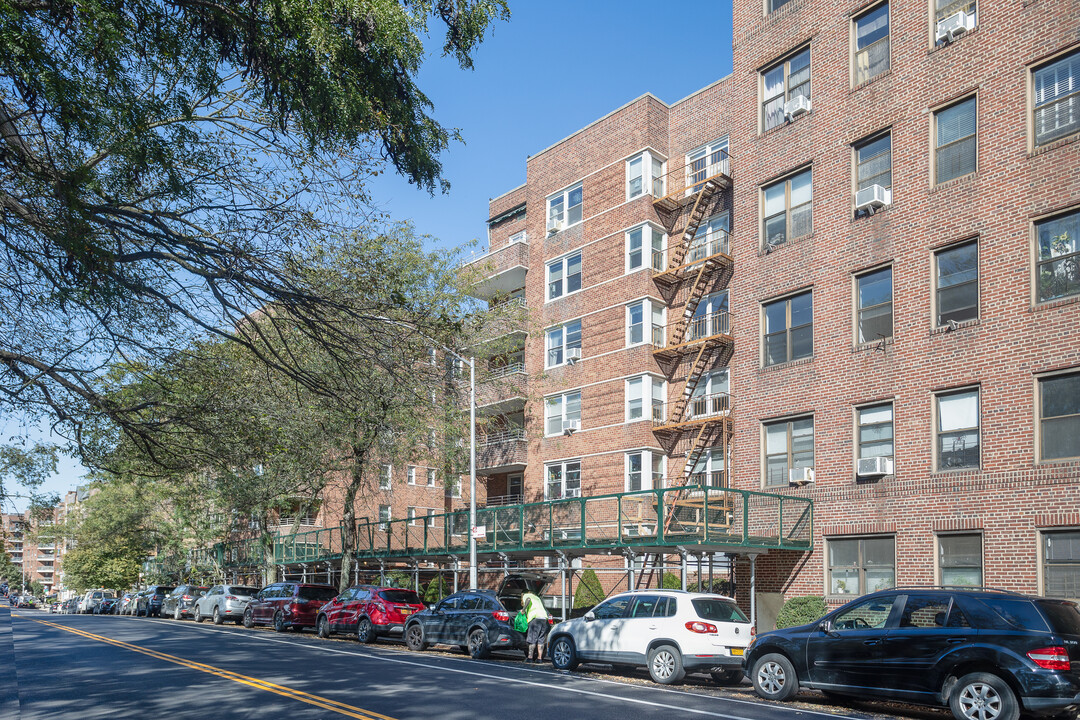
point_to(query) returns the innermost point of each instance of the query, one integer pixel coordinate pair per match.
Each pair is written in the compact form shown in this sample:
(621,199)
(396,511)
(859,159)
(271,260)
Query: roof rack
(979,588)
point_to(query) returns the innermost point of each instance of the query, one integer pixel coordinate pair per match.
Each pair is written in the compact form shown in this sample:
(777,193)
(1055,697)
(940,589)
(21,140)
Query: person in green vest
(536,636)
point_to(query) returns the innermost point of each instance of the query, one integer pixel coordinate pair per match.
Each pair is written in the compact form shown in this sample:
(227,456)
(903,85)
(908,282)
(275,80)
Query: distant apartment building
(38,558)
(849,271)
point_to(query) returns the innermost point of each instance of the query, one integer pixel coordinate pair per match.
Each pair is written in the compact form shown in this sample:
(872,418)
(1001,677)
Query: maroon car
(369,611)
(287,605)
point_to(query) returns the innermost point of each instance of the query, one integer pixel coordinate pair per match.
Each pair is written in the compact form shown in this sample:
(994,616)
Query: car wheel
(249,619)
(983,696)
(176,614)
(279,621)
(563,654)
(414,637)
(478,644)
(198,617)
(665,665)
(322,627)
(218,619)
(774,677)
(727,677)
(365,633)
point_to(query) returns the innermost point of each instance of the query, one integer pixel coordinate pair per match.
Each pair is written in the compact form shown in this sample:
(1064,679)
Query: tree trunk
(348,517)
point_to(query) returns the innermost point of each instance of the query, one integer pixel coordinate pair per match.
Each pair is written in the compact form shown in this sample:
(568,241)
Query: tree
(165,165)
(589,591)
(27,467)
(9,572)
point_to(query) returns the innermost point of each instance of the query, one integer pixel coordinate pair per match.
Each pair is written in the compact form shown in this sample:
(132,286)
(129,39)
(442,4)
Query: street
(82,666)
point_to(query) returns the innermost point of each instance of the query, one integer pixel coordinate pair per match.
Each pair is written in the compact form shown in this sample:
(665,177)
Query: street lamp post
(472,472)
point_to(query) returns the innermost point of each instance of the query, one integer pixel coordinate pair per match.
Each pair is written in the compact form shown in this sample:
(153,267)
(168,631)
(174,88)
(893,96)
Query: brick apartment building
(39,559)
(848,271)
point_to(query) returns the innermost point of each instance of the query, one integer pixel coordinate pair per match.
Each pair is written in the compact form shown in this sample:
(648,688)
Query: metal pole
(753,590)
(472,472)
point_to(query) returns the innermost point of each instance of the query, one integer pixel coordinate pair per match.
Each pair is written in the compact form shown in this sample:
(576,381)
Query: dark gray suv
(987,655)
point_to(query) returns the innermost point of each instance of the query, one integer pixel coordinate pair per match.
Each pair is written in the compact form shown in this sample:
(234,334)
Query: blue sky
(555,67)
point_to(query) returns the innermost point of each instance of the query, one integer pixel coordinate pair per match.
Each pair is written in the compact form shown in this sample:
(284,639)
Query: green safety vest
(533,607)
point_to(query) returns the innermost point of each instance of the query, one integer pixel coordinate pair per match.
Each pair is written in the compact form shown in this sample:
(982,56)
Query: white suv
(668,631)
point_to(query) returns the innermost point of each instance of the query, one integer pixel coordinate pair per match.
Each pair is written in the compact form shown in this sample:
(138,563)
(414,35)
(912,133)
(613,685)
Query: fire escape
(698,342)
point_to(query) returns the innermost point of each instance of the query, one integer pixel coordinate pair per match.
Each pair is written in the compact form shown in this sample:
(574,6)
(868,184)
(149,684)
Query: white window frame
(563,345)
(649,479)
(432,477)
(563,467)
(706,151)
(951,7)
(784,64)
(563,198)
(651,240)
(410,473)
(386,476)
(651,183)
(651,311)
(711,461)
(455,486)
(563,264)
(634,391)
(555,406)
(938,432)
(385,524)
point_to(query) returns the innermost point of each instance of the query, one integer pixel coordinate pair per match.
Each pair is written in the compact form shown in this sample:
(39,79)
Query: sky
(553,68)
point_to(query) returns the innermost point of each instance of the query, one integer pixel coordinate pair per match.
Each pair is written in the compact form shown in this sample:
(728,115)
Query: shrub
(800,611)
(589,591)
(436,590)
(670,581)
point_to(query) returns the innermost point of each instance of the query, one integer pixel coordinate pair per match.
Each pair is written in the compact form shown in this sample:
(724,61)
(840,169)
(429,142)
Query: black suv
(987,655)
(150,600)
(180,603)
(475,620)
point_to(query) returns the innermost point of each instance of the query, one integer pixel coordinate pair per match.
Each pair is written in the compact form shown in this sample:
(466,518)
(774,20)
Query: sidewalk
(9,680)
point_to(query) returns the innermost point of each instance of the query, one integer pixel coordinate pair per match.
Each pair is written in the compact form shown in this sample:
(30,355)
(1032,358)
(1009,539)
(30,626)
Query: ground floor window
(960,559)
(861,565)
(1061,564)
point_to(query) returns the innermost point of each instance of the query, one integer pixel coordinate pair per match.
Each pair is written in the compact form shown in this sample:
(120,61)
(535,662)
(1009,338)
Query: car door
(350,613)
(929,628)
(601,624)
(205,604)
(335,609)
(263,610)
(630,636)
(437,624)
(845,652)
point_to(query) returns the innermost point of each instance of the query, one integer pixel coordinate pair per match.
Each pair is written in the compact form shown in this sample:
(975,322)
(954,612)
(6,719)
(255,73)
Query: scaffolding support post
(563,564)
(753,590)
(630,557)
(682,564)
(457,568)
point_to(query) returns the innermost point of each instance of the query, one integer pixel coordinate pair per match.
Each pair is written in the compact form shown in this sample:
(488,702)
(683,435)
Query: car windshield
(718,610)
(1064,617)
(316,593)
(400,596)
(108,595)
(163,590)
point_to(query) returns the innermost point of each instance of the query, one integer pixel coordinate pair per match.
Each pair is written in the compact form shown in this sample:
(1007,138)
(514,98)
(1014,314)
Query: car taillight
(1051,658)
(696,626)
(378,607)
(295,607)
(186,597)
(233,598)
(502,616)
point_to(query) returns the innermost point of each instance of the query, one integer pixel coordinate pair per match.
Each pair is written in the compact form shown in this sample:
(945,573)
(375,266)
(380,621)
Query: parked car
(124,603)
(26,601)
(987,655)
(669,632)
(54,607)
(107,606)
(92,598)
(180,603)
(69,606)
(475,620)
(224,602)
(150,600)
(369,611)
(287,605)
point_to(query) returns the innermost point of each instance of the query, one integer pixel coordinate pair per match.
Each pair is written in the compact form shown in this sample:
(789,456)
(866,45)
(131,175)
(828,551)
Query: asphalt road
(85,666)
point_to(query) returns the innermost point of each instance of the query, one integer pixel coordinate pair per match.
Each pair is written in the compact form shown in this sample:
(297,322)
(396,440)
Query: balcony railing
(502,437)
(502,450)
(700,327)
(699,408)
(682,182)
(497,373)
(496,500)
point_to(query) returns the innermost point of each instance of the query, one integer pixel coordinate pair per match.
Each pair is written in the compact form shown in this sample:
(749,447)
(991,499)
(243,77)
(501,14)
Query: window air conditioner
(873,467)
(569,427)
(796,107)
(801,476)
(872,198)
(573,355)
(948,29)
(555,226)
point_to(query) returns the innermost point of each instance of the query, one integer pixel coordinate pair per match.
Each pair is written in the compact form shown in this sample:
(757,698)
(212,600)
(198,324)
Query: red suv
(369,611)
(287,605)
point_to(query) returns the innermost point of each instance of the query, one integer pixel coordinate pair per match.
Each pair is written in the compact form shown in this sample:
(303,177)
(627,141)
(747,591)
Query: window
(710,396)
(561,339)
(786,80)
(453,486)
(1057,99)
(955,141)
(960,559)
(1058,266)
(1059,417)
(710,239)
(563,480)
(636,314)
(947,8)
(708,471)
(564,276)
(385,472)
(958,430)
(705,162)
(957,292)
(789,445)
(772,5)
(1061,564)
(862,565)
(873,162)
(384,517)
(636,169)
(431,476)
(561,409)
(412,514)
(421,516)
(564,208)
(433,357)
(788,210)
(875,430)
(636,389)
(644,470)
(789,329)
(871,43)
(874,295)
(641,240)
(411,473)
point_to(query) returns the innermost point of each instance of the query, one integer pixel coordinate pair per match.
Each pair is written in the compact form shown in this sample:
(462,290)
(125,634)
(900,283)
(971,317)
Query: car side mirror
(590,616)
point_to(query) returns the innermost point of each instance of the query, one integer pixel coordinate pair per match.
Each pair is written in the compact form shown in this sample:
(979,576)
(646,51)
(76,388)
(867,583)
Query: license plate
(736,651)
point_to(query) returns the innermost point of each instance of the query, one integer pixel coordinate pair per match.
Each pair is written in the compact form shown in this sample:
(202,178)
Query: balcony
(706,252)
(501,452)
(499,272)
(683,184)
(711,330)
(501,500)
(502,389)
(699,410)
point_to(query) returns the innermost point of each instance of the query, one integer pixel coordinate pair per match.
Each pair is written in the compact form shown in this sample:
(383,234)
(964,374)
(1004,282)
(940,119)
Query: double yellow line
(316,700)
